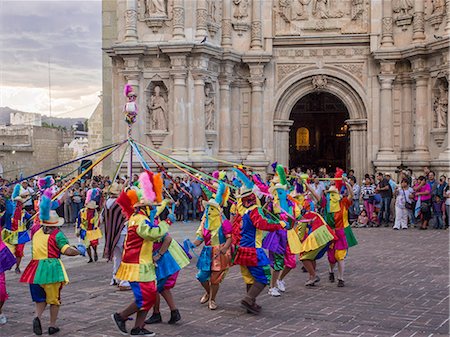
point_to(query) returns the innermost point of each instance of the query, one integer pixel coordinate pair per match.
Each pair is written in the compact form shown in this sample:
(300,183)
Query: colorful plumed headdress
(93,197)
(128,90)
(339,174)
(279,180)
(247,183)
(48,216)
(19,193)
(46,182)
(221,196)
(126,200)
(151,186)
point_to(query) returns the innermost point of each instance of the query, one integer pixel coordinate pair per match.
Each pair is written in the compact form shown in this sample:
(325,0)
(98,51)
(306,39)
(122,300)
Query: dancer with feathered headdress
(88,223)
(45,273)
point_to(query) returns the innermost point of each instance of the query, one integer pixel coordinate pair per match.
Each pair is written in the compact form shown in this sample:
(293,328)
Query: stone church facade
(221,79)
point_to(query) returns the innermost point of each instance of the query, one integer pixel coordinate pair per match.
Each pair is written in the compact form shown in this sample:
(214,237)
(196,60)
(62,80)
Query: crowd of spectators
(378,200)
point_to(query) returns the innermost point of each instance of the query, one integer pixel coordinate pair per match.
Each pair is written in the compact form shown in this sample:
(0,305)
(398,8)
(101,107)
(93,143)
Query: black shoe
(174,316)
(154,318)
(52,330)
(120,324)
(340,283)
(331,277)
(95,257)
(37,328)
(141,332)
(90,261)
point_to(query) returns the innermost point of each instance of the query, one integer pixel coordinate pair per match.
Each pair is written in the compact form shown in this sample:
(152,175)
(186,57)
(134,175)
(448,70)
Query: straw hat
(24,194)
(53,221)
(244,192)
(210,202)
(332,189)
(91,204)
(115,189)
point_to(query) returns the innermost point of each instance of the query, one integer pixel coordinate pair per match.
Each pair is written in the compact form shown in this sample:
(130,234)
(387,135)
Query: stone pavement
(397,284)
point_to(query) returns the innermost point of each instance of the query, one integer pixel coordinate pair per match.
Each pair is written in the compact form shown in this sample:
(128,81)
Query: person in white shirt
(319,188)
(403,194)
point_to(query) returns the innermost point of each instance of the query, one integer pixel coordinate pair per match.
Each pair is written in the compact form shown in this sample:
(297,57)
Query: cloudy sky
(64,33)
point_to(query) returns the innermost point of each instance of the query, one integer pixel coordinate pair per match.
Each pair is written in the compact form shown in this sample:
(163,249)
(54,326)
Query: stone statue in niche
(156,8)
(157,108)
(209,109)
(321,9)
(402,7)
(211,4)
(440,106)
(240,9)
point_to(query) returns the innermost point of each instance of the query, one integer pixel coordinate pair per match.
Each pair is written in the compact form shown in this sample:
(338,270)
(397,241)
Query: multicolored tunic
(7,259)
(15,224)
(137,259)
(337,217)
(214,232)
(88,225)
(170,263)
(315,236)
(46,266)
(249,251)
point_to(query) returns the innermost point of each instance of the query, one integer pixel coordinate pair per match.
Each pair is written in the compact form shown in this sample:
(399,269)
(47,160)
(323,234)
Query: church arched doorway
(319,135)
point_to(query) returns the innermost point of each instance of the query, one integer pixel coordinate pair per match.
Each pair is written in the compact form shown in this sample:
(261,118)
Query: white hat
(54,220)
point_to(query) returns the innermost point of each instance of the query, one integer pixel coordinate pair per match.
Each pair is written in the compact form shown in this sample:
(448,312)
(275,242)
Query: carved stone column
(447,26)
(198,131)
(225,133)
(281,130)
(131,21)
(226,24)
(257,114)
(178,20)
(386,78)
(235,121)
(202,19)
(386,25)
(407,132)
(419,22)
(256,33)
(421,127)
(180,124)
(358,146)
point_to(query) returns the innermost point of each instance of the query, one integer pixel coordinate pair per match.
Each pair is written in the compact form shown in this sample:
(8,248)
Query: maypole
(130,110)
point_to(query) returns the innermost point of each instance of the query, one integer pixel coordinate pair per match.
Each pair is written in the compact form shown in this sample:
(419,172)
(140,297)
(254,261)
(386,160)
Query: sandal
(204,299)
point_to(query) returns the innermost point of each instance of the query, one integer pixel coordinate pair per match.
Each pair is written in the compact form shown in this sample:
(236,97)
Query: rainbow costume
(88,225)
(137,265)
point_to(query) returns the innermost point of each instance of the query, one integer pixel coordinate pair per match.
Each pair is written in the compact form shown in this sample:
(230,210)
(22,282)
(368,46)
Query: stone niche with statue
(157,112)
(440,110)
(306,17)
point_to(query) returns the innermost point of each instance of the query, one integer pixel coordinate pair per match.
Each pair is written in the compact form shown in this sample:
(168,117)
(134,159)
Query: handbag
(408,205)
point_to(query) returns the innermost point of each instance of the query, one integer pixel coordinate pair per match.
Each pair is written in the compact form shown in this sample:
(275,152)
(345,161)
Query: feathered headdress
(17,191)
(281,174)
(146,184)
(126,201)
(243,177)
(158,187)
(128,90)
(93,195)
(45,205)
(339,183)
(46,182)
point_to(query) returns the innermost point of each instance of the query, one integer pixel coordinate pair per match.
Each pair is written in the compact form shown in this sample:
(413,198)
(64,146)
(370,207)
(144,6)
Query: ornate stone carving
(210,108)
(256,32)
(321,9)
(440,105)
(437,13)
(319,82)
(178,21)
(202,18)
(226,28)
(359,18)
(213,23)
(419,22)
(155,14)
(240,11)
(285,9)
(403,10)
(356,69)
(130,25)
(283,70)
(157,108)
(156,8)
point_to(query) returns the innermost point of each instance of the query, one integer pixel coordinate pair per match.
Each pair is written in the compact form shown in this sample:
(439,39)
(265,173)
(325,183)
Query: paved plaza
(396,285)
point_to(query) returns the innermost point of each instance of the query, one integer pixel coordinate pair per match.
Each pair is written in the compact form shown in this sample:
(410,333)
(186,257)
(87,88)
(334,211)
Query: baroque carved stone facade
(230,72)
